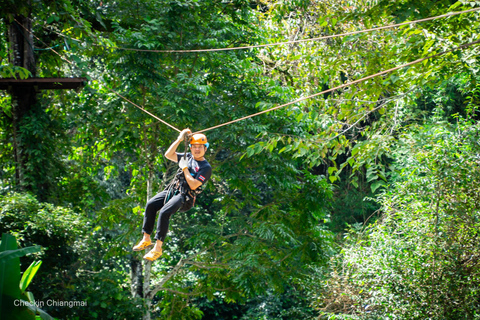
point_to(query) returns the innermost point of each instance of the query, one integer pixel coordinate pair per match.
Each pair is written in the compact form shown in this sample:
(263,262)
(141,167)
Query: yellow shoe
(153,255)
(143,245)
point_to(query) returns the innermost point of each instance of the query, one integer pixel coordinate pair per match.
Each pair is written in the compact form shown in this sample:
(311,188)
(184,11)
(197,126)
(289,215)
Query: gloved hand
(185,132)
(183,163)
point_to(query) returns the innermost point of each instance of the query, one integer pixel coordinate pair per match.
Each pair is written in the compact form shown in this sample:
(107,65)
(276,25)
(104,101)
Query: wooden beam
(43,83)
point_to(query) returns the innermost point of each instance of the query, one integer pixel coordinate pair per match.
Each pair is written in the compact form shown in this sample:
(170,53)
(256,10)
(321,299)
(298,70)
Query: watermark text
(49,303)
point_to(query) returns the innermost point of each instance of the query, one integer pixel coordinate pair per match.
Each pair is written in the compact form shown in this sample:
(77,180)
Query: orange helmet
(199,138)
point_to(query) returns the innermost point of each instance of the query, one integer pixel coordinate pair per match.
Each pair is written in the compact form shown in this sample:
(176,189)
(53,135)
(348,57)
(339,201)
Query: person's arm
(171,151)
(203,175)
(192,182)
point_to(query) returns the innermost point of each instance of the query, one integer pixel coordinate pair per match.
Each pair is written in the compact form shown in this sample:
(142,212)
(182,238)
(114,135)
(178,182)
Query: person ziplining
(196,171)
(179,195)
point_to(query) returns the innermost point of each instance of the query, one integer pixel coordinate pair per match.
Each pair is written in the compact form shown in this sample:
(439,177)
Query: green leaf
(42,314)
(377,184)
(30,296)
(28,275)
(250,151)
(12,254)
(331,170)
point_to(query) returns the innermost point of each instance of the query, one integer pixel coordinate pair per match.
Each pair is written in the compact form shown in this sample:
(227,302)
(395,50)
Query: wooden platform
(43,83)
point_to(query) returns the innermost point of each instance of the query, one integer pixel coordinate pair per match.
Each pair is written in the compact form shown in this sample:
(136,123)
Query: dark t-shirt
(200,170)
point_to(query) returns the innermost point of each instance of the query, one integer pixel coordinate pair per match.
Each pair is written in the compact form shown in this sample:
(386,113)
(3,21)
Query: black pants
(166,210)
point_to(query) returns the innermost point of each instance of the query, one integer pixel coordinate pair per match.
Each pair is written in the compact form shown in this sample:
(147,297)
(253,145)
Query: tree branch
(160,286)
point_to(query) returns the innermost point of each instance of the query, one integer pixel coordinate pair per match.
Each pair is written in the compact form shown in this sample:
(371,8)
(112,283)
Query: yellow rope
(147,112)
(118,94)
(342,86)
(311,96)
(450,14)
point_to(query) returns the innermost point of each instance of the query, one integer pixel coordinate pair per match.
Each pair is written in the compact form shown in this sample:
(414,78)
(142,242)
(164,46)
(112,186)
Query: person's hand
(183,163)
(184,134)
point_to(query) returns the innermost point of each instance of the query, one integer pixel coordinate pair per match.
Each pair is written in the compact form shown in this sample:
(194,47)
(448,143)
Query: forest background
(360,203)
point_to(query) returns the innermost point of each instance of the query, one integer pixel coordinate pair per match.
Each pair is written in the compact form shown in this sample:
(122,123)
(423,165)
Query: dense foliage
(73,266)
(393,160)
(421,259)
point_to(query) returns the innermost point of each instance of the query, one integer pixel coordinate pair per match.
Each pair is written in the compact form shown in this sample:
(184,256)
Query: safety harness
(179,185)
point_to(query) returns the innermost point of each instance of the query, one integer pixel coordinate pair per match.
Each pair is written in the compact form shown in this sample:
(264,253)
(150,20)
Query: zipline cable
(29,31)
(147,112)
(115,92)
(450,14)
(341,86)
(303,98)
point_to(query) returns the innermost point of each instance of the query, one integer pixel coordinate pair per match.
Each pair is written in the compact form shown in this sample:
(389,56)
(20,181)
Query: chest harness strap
(180,185)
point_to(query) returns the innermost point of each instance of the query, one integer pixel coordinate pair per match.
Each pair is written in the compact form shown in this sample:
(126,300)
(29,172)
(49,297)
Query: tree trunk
(20,38)
(136,274)
(148,264)
(149,146)
(150,182)
(146,291)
